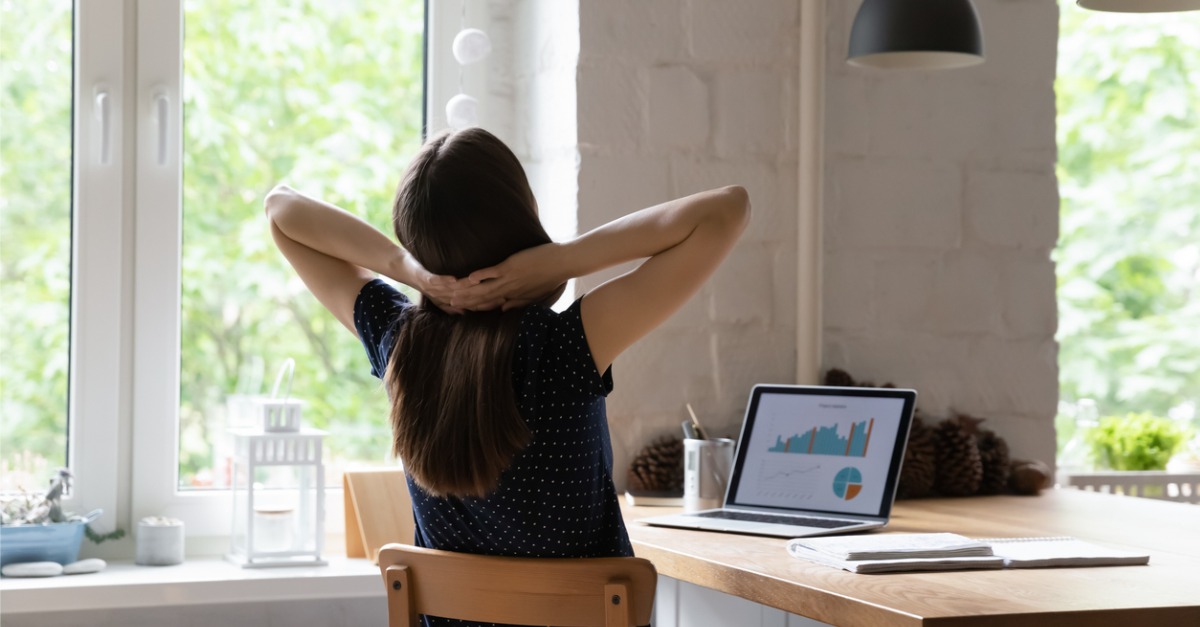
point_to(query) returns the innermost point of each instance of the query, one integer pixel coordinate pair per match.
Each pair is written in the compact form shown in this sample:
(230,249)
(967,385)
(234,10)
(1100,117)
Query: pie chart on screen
(847,483)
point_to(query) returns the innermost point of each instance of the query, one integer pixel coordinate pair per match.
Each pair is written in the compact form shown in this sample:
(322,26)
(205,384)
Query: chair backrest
(565,592)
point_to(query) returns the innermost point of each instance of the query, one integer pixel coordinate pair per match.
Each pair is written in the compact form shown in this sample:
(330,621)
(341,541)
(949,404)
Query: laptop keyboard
(822,523)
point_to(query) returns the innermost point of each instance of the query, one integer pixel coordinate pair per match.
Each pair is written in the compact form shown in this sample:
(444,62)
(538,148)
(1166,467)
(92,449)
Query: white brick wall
(939,215)
(941,211)
(676,97)
(540,42)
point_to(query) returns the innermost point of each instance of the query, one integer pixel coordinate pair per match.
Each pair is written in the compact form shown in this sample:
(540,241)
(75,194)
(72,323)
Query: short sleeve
(377,311)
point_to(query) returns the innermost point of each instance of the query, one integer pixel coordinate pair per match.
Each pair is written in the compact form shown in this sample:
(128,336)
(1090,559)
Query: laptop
(811,461)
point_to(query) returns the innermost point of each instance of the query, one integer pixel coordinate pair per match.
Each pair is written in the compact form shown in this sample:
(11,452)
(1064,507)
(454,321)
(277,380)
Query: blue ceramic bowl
(52,542)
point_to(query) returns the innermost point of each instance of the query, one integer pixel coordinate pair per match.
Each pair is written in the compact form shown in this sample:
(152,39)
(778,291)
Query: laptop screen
(823,449)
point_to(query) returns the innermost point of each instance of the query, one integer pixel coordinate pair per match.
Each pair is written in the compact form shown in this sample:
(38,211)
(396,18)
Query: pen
(700,433)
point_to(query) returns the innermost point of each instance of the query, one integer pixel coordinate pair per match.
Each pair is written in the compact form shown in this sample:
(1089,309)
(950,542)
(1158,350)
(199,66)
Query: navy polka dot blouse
(557,499)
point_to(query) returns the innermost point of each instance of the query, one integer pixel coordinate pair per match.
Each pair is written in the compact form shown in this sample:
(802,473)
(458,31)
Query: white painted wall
(544,54)
(941,209)
(675,97)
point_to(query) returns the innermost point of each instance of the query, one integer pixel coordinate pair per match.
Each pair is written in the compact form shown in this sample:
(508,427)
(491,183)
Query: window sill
(196,581)
(1156,484)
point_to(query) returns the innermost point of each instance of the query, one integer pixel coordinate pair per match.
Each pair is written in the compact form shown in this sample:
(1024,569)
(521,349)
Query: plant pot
(51,542)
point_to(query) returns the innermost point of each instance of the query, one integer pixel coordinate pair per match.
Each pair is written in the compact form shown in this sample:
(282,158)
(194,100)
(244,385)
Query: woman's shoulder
(543,322)
(554,347)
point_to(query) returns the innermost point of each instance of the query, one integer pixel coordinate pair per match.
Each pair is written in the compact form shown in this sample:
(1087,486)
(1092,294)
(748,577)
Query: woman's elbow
(276,200)
(736,205)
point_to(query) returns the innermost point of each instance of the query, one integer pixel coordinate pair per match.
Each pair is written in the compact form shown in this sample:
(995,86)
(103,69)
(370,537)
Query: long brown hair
(464,204)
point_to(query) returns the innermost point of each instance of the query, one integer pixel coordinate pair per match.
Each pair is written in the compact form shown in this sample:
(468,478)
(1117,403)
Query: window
(325,96)
(1129,254)
(177,296)
(35,239)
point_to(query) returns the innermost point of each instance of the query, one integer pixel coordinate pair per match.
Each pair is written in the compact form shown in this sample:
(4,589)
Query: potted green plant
(1135,442)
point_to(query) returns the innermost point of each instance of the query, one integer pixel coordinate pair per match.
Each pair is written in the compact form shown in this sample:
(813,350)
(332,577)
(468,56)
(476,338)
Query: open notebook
(942,551)
(1060,551)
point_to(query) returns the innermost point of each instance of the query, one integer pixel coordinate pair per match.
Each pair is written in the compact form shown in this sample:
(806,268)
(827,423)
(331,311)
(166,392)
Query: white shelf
(196,581)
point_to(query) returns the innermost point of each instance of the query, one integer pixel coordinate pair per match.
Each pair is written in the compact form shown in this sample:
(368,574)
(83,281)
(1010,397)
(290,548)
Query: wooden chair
(565,592)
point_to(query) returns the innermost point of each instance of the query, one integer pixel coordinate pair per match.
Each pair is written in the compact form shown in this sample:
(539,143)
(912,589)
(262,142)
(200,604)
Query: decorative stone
(83,567)
(32,569)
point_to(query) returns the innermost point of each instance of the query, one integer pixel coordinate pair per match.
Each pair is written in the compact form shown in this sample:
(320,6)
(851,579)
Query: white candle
(273,528)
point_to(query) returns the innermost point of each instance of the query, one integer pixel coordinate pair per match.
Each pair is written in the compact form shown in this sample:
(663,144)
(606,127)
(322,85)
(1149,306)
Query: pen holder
(706,465)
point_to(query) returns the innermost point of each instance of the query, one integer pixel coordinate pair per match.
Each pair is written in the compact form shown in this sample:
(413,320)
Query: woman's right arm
(685,240)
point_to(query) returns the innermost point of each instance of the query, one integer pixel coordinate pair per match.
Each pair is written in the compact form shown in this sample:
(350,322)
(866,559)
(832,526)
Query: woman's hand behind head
(439,289)
(527,277)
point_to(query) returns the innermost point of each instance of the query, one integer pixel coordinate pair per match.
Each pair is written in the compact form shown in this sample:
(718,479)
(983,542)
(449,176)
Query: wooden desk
(1165,592)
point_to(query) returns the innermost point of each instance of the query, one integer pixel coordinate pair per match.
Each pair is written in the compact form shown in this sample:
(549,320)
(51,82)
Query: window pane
(35,238)
(325,96)
(1128,259)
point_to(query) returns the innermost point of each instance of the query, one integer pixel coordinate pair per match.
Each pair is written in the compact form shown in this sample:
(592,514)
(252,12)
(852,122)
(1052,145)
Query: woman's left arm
(336,253)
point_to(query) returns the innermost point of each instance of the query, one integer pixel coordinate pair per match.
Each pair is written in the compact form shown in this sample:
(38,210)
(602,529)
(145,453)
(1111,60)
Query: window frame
(97,385)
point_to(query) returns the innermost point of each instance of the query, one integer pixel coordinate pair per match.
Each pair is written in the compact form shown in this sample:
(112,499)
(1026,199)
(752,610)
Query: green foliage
(1128,258)
(35,243)
(101,538)
(1136,442)
(325,96)
(1136,284)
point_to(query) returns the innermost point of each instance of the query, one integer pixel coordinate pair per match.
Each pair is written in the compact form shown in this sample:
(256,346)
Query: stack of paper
(898,552)
(892,552)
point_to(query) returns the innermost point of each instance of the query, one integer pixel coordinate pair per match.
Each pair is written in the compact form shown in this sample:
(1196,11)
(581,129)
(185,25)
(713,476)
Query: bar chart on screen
(827,440)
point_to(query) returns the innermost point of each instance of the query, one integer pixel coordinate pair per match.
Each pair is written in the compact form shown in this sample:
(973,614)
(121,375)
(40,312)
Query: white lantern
(277,481)
(278,486)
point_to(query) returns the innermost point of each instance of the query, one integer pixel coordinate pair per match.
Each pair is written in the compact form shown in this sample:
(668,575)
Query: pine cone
(658,466)
(919,469)
(959,469)
(1028,477)
(993,454)
(838,378)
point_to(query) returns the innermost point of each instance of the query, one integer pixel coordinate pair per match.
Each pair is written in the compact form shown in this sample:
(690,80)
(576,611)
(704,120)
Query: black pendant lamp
(1140,6)
(916,34)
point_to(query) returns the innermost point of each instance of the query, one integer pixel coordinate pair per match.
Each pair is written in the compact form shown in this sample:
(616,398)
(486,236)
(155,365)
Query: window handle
(103,111)
(161,105)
